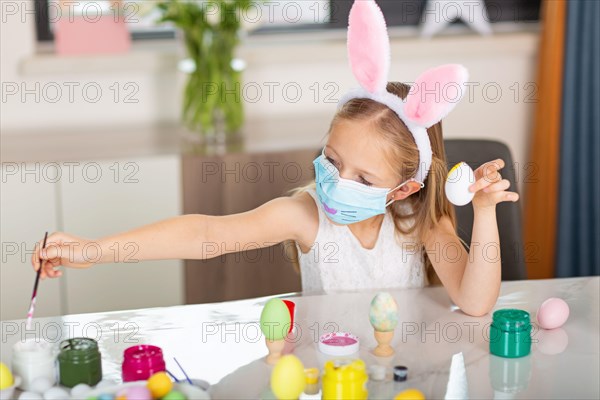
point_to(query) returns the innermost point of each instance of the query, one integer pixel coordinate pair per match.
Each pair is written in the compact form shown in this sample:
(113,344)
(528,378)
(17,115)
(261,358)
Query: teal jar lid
(511,320)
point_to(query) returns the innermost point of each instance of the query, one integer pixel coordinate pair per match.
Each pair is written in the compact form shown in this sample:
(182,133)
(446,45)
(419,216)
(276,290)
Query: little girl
(377,216)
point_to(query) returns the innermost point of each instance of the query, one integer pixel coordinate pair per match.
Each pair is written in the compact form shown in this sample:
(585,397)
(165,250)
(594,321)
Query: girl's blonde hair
(425,207)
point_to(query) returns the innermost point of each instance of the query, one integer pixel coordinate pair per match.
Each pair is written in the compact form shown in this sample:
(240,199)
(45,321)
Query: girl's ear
(368,46)
(435,93)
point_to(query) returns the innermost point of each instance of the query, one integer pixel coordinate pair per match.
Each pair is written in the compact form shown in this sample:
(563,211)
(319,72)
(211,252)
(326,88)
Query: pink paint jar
(141,362)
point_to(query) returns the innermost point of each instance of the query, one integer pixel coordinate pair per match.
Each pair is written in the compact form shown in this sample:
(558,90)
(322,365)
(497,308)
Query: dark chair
(475,153)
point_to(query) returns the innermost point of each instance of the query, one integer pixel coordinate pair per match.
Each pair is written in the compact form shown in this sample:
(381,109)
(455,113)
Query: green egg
(275,320)
(174,395)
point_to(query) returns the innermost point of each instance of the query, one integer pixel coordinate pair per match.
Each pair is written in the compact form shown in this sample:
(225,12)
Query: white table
(222,344)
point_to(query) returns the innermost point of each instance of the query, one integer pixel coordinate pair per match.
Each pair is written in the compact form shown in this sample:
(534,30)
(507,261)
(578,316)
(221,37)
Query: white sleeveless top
(338,262)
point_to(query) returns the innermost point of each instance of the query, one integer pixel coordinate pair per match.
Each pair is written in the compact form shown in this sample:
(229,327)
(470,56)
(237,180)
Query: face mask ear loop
(402,184)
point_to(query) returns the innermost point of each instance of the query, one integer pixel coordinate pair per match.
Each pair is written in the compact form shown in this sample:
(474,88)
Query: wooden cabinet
(234,183)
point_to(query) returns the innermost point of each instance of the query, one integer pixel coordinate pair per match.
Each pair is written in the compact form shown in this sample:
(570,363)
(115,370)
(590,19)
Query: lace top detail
(338,262)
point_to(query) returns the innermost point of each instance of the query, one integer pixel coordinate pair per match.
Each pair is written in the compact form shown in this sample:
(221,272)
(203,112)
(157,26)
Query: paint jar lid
(511,319)
(338,344)
(377,372)
(311,375)
(400,373)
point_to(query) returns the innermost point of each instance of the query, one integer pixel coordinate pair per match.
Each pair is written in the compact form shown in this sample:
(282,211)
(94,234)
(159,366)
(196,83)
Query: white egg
(80,391)
(460,177)
(104,384)
(30,396)
(56,393)
(41,384)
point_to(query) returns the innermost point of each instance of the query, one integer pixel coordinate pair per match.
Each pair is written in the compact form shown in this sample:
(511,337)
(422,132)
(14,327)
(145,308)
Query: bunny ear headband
(430,98)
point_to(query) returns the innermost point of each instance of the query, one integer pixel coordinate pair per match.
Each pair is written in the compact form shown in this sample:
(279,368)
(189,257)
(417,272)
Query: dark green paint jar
(79,361)
(510,333)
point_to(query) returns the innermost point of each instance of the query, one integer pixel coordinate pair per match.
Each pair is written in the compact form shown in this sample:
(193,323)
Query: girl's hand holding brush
(63,250)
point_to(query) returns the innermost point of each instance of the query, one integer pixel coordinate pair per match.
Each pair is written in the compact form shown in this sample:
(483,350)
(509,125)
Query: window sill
(156,56)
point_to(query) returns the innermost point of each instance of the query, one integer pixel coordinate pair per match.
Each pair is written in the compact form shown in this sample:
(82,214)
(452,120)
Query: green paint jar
(79,361)
(510,333)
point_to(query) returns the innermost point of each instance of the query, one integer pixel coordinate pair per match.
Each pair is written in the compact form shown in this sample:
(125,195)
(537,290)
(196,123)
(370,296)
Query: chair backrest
(508,214)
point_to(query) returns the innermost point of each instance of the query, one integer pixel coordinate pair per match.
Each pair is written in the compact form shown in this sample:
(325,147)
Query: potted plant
(211,32)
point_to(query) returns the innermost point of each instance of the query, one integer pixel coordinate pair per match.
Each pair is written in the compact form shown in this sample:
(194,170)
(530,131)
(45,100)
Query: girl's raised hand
(489,187)
(61,249)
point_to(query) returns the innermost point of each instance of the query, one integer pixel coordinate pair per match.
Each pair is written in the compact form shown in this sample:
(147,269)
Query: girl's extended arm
(188,237)
(473,279)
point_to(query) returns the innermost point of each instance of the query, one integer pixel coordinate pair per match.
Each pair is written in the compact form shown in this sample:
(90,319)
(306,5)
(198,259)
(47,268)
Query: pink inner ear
(368,45)
(435,93)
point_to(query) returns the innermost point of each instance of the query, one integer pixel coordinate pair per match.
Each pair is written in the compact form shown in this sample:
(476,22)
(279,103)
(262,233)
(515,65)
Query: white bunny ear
(435,93)
(368,46)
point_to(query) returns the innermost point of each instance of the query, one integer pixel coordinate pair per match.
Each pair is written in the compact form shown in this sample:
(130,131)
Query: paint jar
(141,362)
(345,379)
(79,361)
(510,333)
(33,359)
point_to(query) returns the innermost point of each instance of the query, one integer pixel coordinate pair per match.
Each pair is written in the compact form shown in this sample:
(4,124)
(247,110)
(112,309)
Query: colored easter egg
(275,320)
(553,313)
(287,379)
(105,396)
(460,177)
(138,393)
(410,394)
(30,396)
(56,393)
(175,395)
(384,312)
(159,384)
(6,377)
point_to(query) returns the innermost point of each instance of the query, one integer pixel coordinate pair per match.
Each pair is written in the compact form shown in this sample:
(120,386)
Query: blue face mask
(345,201)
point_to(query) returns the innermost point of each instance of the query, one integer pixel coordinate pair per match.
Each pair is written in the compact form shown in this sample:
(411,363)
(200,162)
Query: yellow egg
(288,380)
(159,385)
(410,394)
(6,378)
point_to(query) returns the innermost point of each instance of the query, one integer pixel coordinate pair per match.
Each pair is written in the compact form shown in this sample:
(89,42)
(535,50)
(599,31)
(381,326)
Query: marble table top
(221,343)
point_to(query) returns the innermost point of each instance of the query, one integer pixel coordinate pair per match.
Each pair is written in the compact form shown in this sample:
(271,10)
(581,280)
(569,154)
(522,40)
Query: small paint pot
(141,362)
(79,361)
(339,344)
(510,333)
(33,359)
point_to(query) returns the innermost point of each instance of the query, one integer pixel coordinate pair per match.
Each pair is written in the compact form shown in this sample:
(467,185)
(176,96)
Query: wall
(317,64)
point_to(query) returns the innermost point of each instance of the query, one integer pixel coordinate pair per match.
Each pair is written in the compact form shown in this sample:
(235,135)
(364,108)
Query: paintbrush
(35,287)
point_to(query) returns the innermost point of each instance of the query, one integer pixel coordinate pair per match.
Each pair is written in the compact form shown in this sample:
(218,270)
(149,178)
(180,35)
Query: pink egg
(138,393)
(553,313)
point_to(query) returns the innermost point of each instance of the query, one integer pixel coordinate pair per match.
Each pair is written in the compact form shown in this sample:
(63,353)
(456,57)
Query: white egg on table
(80,391)
(41,384)
(104,384)
(30,396)
(460,177)
(56,393)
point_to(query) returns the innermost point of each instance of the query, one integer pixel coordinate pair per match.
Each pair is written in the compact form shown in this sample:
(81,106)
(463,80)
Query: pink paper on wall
(79,35)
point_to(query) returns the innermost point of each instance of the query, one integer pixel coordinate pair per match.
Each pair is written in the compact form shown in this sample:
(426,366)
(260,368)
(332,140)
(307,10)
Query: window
(277,15)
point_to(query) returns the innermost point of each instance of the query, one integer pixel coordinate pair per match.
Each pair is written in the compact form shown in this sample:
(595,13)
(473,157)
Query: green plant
(211,32)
